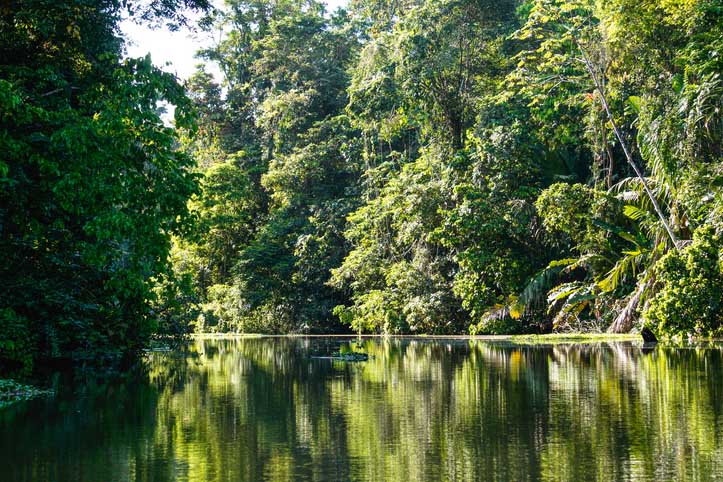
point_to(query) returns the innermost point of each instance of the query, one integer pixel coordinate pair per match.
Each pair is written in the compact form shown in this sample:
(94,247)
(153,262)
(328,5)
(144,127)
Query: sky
(176,48)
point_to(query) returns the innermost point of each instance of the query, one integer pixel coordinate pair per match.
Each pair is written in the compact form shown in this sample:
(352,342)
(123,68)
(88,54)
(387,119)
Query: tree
(295,168)
(92,182)
(425,166)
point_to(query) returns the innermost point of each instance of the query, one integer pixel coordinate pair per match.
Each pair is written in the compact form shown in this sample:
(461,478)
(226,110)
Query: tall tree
(92,184)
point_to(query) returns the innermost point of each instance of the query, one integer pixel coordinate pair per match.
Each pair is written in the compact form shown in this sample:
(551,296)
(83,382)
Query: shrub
(690,296)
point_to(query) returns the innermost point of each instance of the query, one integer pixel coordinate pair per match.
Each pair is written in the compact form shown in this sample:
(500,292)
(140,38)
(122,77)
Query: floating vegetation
(349,356)
(352,356)
(12,391)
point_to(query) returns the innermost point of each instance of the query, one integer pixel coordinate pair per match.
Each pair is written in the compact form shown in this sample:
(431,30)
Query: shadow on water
(270,409)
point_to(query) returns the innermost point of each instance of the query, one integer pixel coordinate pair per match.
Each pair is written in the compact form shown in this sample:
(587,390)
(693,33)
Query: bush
(690,298)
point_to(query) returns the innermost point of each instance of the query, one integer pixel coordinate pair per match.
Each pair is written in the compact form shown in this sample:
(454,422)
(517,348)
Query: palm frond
(533,296)
(563,291)
(570,299)
(634,212)
(624,269)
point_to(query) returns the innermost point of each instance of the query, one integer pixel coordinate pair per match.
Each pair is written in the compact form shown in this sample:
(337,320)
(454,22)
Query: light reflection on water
(265,409)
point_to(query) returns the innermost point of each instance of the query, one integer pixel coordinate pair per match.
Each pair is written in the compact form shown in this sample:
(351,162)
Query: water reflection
(266,409)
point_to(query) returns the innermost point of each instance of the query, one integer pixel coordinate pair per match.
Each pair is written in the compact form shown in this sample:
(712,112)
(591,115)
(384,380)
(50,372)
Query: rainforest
(482,167)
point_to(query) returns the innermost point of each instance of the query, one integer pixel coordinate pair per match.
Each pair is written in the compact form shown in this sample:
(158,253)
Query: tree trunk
(628,156)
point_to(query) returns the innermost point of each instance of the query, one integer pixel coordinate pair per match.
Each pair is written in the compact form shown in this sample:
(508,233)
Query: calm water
(265,409)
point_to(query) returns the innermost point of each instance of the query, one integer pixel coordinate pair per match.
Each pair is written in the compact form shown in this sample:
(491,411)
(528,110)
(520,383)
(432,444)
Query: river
(273,409)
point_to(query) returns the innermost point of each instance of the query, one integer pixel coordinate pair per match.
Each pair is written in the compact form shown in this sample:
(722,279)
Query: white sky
(177,48)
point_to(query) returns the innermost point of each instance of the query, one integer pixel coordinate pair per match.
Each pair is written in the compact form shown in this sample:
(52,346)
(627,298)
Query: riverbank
(520,339)
(581,338)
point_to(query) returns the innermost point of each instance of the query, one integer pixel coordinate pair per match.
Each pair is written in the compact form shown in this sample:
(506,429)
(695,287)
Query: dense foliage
(415,166)
(91,181)
(439,166)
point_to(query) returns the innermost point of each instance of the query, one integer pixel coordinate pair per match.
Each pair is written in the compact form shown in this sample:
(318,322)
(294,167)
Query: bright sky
(177,48)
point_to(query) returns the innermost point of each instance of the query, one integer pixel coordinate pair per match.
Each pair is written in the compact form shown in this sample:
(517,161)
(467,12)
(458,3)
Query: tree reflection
(267,409)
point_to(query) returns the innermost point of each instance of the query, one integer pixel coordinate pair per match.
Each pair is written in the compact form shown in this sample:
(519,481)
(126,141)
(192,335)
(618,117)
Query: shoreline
(521,339)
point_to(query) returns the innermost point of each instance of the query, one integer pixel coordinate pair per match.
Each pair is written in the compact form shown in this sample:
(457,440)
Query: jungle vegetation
(395,166)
